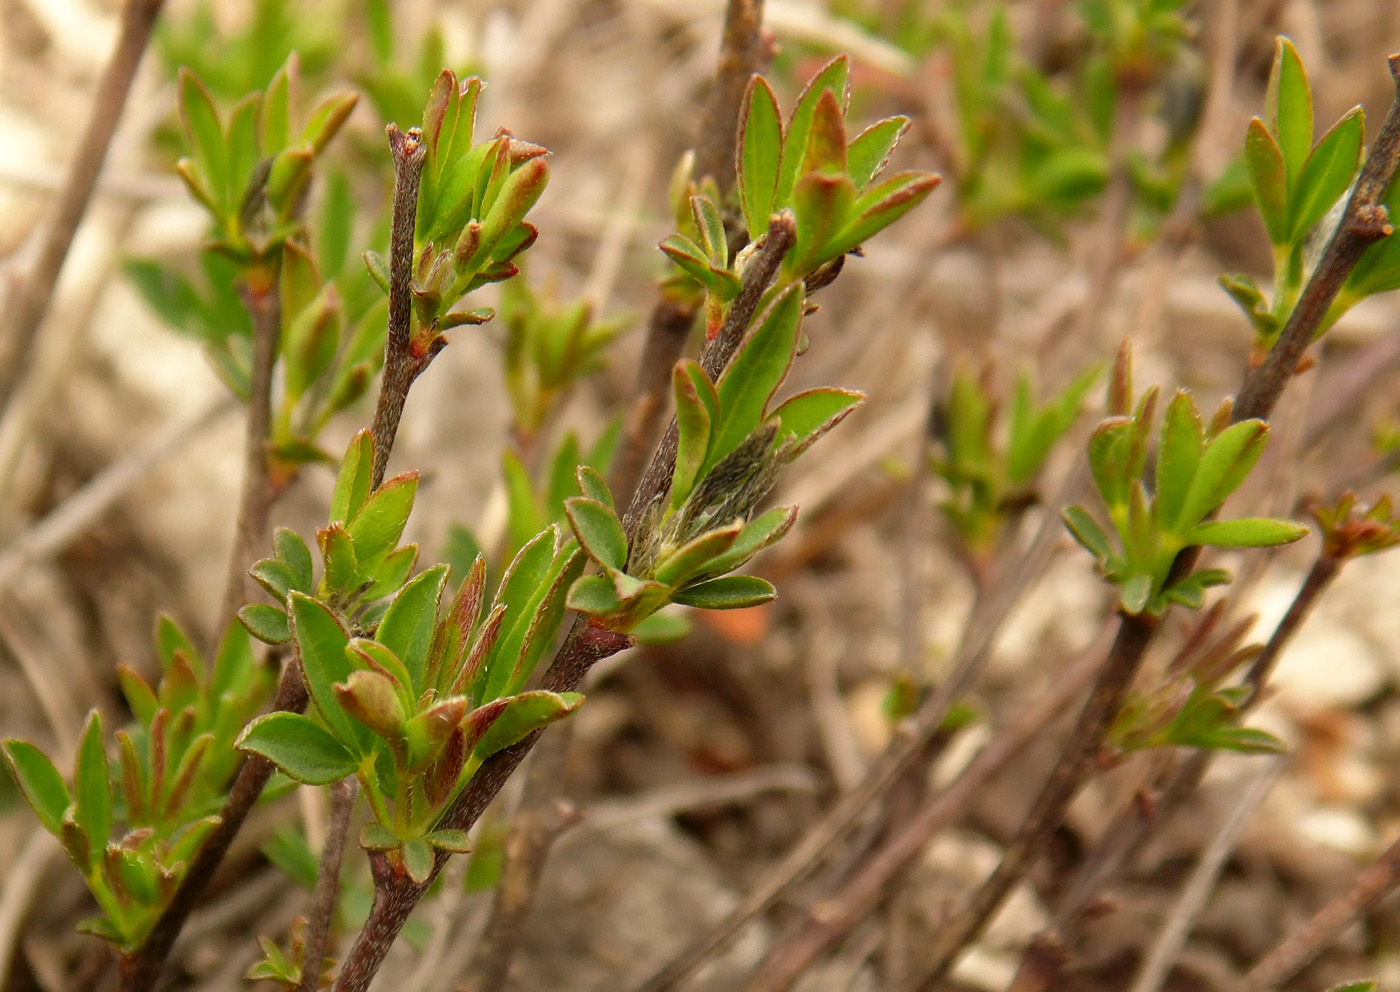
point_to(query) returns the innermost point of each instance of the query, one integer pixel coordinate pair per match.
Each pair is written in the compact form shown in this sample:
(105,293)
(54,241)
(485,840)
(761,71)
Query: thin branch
(1305,943)
(908,743)
(827,922)
(401,366)
(1172,936)
(542,817)
(740,51)
(1365,222)
(264,304)
(140,970)
(1073,767)
(323,901)
(32,298)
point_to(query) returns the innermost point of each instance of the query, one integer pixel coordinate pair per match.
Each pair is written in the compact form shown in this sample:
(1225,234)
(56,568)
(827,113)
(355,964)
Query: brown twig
(32,297)
(543,816)
(323,900)
(739,54)
(830,920)
(1301,946)
(1365,222)
(140,969)
(1125,657)
(909,742)
(395,894)
(401,365)
(263,301)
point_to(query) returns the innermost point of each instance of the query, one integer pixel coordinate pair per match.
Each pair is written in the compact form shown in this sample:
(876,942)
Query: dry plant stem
(1172,936)
(819,841)
(32,298)
(542,818)
(830,920)
(140,970)
(1300,947)
(739,55)
(318,929)
(1076,761)
(1365,221)
(263,302)
(396,894)
(401,366)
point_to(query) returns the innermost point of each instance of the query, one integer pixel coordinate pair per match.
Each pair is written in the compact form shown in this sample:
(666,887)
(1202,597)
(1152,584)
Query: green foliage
(990,467)
(1298,188)
(1191,705)
(808,165)
(1349,531)
(161,798)
(548,349)
(1155,518)
(732,442)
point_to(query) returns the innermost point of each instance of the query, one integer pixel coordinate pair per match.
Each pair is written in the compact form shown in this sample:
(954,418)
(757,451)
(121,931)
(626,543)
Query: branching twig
(140,969)
(401,365)
(318,927)
(830,920)
(32,298)
(395,894)
(1301,946)
(1365,222)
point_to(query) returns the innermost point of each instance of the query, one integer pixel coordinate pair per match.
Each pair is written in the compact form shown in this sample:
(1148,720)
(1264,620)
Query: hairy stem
(140,969)
(401,366)
(32,298)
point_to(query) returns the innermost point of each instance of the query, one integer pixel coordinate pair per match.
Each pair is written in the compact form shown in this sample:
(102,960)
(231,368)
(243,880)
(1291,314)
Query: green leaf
(342,567)
(1225,464)
(755,373)
(711,227)
(92,792)
(1178,455)
(833,76)
(372,698)
(592,484)
(300,747)
(1268,175)
(694,423)
(826,141)
(1362,986)
(353,479)
(880,206)
(377,526)
(276,110)
(1135,593)
(870,151)
(170,640)
(451,841)
(377,837)
(418,859)
(1247,532)
(823,203)
(760,149)
(39,782)
(206,137)
(321,641)
(1087,532)
(594,596)
(729,592)
(1288,106)
(267,623)
(1246,740)
(679,565)
(273,576)
(1328,172)
(663,627)
(758,534)
(408,627)
(598,530)
(808,415)
(292,551)
(523,715)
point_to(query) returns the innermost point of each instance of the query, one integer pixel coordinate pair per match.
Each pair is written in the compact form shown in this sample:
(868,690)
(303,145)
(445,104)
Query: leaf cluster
(991,467)
(732,441)
(162,798)
(1156,516)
